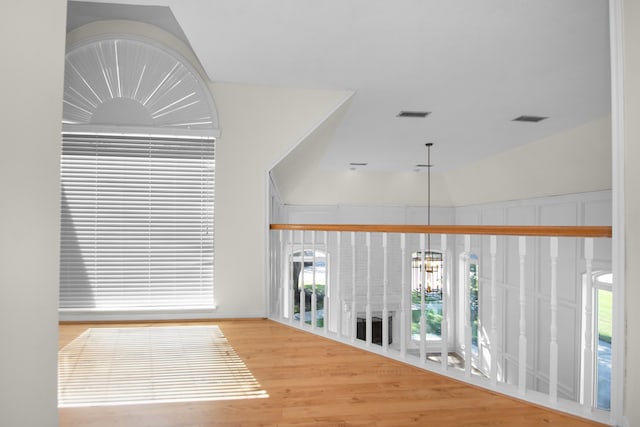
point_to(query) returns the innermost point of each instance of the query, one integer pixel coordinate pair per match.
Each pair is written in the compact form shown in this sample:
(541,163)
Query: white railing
(514,306)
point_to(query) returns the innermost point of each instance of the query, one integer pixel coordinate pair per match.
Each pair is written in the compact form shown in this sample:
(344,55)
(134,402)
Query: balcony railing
(516,309)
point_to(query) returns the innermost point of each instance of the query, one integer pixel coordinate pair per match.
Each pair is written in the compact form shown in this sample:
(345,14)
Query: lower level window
(604,302)
(426,282)
(474,302)
(309,278)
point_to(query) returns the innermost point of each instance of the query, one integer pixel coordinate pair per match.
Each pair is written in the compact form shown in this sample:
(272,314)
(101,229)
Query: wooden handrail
(491,230)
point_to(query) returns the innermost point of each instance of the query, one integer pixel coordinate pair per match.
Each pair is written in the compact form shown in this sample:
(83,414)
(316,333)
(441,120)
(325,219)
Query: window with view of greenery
(603,302)
(427,268)
(309,273)
(474,305)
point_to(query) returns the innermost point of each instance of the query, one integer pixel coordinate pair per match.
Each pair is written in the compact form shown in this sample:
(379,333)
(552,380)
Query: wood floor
(312,381)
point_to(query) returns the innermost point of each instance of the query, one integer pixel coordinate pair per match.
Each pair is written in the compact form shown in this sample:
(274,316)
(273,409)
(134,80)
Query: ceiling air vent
(421,167)
(530,119)
(356,165)
(419,114)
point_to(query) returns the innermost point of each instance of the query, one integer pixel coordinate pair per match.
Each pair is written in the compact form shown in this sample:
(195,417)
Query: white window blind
(136,222)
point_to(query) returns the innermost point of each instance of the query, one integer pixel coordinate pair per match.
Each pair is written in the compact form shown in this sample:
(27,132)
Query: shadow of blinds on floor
(119,366)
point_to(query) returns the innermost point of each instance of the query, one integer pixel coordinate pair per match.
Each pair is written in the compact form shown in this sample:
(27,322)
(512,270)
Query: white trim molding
(618,210)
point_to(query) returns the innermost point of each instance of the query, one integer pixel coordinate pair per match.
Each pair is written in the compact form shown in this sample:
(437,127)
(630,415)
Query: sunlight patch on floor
(117,366)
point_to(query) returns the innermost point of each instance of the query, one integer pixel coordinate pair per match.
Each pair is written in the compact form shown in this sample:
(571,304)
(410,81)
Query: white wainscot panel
(559,214)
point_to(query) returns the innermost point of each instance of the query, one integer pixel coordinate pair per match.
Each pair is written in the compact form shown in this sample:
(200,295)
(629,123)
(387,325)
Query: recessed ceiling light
(418,114)
(530,119)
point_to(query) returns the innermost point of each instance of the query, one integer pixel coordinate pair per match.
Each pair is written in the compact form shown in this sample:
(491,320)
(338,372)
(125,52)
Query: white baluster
(493,244)
(385,284)
(314,297)
(338,277)
(368,306)
(354,314)
(281,284)
(403,295)
(291,290)
(522,342)
(303,301)
(423,285)
(587,350)
(444,326)
(326,305)
(553,345)
(466,279)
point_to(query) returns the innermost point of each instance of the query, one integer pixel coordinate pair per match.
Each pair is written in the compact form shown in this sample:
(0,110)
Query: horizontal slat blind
(136,223)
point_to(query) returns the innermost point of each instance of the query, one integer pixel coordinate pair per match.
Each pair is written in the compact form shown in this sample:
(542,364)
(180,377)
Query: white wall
(591,208)
(32,36)
(574,161)
(318,186)
(259,126)
(632,205)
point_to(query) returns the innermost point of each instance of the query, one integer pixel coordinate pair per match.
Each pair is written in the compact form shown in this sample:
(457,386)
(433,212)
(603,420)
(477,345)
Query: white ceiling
(474,64)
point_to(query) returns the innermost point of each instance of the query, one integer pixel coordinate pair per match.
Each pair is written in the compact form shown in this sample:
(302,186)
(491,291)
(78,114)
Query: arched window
(137,181)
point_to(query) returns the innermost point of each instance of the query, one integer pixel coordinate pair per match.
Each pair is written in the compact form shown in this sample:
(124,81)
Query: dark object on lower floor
(376,329)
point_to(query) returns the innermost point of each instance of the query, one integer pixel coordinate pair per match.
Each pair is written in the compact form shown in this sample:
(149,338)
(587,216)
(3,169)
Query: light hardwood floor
(312,381)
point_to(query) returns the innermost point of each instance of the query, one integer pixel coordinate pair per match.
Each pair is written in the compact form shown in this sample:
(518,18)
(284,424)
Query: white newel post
(553,345)
(444,326)
(466,283)
(403,296)
(493,248)
(588,342)
(522,342)
(385,285)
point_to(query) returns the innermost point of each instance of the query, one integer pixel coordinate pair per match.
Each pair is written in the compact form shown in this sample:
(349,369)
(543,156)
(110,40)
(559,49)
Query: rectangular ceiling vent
(530,119)
(357,165)
(419,114)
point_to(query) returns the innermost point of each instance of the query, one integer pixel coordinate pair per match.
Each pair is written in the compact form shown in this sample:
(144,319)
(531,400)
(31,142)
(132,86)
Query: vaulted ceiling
(473,65)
